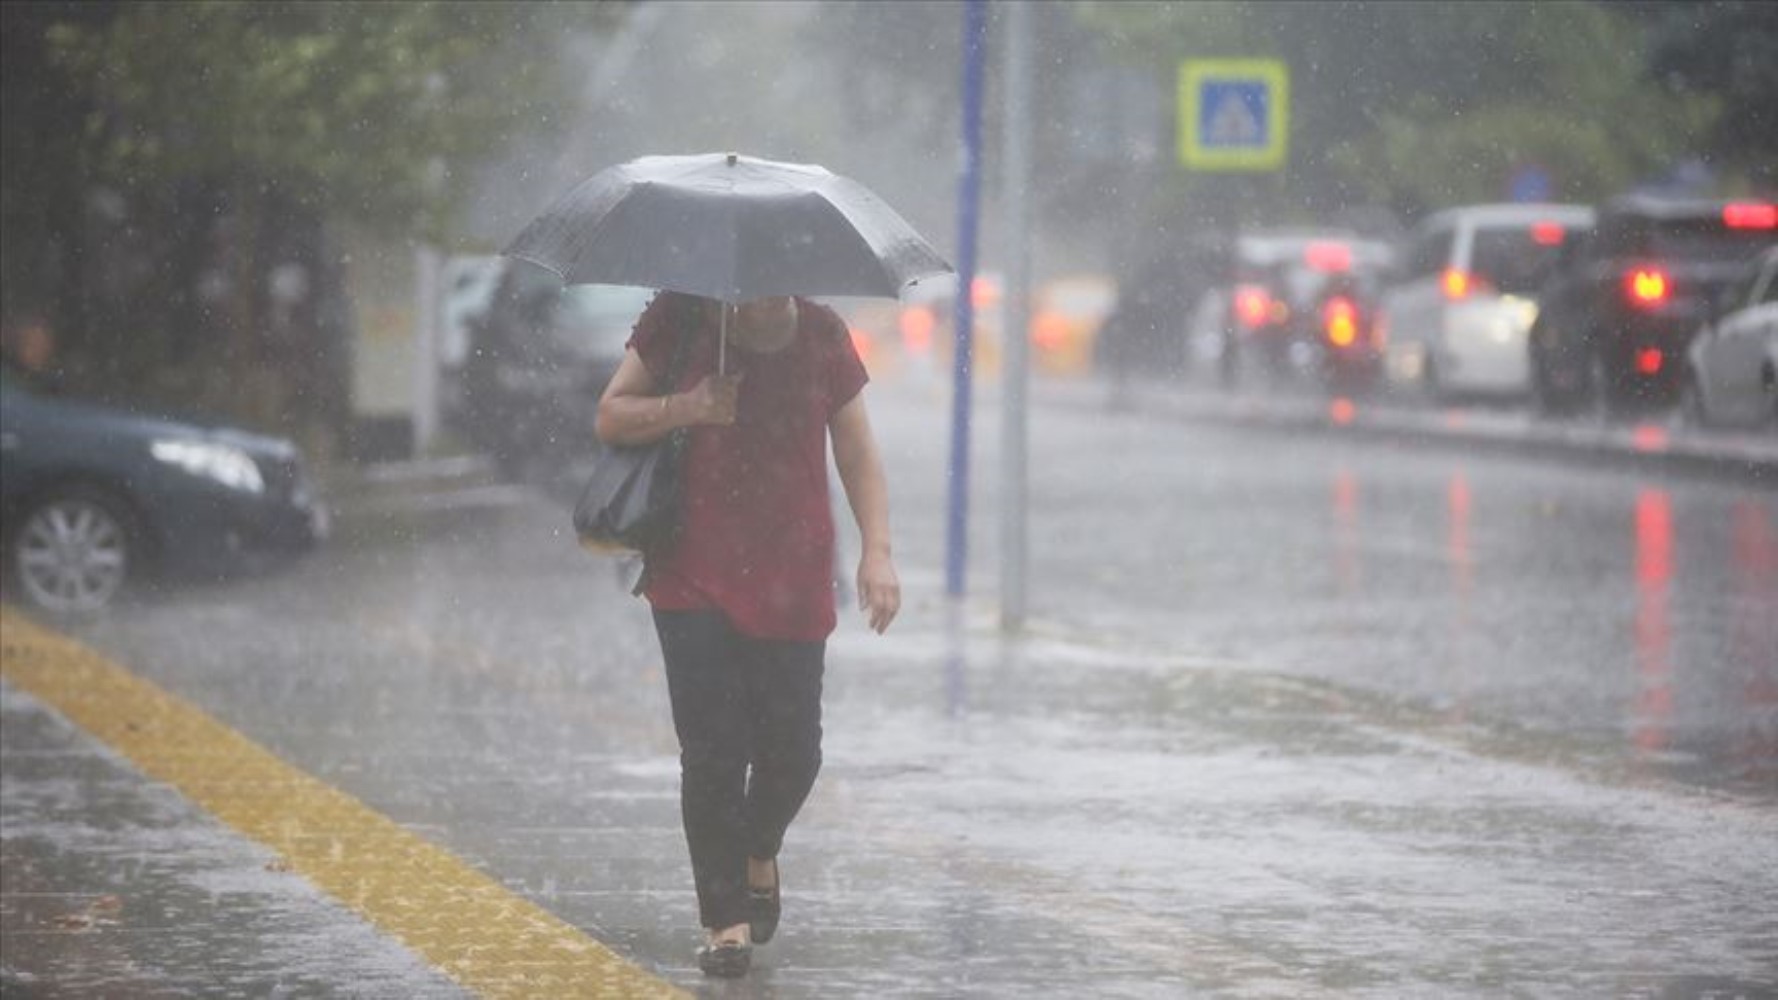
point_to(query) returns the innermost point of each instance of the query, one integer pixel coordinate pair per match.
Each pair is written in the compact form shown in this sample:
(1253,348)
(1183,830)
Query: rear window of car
(1515,259)
(1704,240)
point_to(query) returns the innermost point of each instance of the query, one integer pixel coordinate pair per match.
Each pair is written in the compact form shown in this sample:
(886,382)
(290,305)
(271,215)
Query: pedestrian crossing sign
(1234,114)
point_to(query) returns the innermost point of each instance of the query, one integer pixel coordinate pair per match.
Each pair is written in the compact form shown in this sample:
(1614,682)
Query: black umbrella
(728,227)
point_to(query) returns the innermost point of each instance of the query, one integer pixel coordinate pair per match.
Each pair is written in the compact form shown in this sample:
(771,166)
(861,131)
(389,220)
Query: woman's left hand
(879,589)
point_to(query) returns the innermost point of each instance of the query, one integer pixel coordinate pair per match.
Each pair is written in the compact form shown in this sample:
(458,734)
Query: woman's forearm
(867,492)
(636,420)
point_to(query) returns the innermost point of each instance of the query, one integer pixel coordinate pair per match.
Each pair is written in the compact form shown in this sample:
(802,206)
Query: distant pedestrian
(744,602)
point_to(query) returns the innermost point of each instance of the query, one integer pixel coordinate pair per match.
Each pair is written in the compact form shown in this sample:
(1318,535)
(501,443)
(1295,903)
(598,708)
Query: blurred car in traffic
(1732,370)
(466,290)
(93,498)
(1348,336)
(1288,289)
(1457,317)
(538,359)
(1067,314)
(1614,323)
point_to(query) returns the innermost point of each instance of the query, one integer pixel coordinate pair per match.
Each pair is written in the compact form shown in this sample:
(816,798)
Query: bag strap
(682,323)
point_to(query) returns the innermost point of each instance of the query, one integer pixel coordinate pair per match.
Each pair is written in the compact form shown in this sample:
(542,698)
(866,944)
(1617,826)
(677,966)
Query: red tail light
(1253,306)
(917,326)
(1647,287)
(862,342)
(1049,330)
(1649,360)
(1327,257)
(1548,234)
(1339,317)
(1750,215)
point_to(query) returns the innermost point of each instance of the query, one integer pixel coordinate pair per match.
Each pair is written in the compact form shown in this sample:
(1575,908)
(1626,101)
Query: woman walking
(743,602)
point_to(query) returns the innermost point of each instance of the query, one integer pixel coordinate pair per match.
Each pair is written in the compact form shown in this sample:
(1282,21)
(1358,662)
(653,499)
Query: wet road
(1633,611)
(1298,716)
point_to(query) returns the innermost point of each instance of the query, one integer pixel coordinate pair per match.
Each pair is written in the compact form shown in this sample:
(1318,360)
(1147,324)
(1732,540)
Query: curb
(1649,444)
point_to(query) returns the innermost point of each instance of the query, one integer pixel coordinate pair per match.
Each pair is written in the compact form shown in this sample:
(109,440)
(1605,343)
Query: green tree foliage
(1727,50)
(372,109)
(165,160)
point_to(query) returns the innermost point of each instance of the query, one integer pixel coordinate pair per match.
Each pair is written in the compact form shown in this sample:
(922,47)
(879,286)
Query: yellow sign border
(1271,74)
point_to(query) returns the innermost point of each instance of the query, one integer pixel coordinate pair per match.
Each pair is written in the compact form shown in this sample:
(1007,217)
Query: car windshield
(1296,262)
(1705,241)
(1513,258)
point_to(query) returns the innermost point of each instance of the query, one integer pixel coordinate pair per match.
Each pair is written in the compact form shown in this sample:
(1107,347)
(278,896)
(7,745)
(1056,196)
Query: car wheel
(1550,399)
(73,551)
(1595,397)
(1768,380)
(1691,403)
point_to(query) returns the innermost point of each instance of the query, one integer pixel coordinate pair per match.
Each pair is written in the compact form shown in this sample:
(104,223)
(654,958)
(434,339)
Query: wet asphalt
(1295,715)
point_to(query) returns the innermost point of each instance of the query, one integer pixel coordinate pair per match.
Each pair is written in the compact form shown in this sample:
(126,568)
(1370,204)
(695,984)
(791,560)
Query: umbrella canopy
(728,227)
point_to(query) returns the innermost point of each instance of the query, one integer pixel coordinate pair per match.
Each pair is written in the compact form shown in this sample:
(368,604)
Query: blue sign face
(1530,183)
(1235,115)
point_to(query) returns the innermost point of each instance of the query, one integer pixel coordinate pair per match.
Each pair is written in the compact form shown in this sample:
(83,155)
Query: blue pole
(975,30)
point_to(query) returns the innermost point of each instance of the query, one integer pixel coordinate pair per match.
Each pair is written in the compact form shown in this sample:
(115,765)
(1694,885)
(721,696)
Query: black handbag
(631,502)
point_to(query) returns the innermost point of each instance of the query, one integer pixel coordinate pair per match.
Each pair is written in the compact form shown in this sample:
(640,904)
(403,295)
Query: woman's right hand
(712,401)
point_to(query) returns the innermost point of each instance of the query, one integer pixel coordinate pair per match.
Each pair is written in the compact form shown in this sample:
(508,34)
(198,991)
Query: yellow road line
(479,933)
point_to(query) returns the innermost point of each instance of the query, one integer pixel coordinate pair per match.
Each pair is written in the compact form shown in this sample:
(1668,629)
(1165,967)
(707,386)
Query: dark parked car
(93,498)
(1614,321)
(539,357)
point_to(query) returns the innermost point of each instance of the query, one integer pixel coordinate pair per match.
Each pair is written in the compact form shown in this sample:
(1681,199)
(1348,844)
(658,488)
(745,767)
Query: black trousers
(748,715)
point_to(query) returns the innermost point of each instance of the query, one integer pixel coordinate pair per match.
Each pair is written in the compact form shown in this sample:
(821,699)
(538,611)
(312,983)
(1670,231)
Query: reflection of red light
(1341,411)
(1648,287)
(1654,639)
(1750,215)
(1340,318)
(1648,361)
(1253,305)
(1649,437)
(1654,538)
(1328,257)
(1547,234)
(1347,566)
(917,325)
(861,342)
(1458,499)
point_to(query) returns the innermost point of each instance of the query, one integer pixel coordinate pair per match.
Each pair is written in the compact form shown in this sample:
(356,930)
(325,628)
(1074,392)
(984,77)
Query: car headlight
(221,463)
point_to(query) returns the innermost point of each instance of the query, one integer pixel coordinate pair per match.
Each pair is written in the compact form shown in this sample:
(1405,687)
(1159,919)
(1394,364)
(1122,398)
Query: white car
(1457,318)
(1733,376)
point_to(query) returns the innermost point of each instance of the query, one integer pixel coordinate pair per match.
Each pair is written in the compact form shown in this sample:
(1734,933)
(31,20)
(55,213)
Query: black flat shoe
(765,906)
(728,960)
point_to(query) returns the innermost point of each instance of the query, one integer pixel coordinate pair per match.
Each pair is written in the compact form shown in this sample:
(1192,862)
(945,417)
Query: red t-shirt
(758,536)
